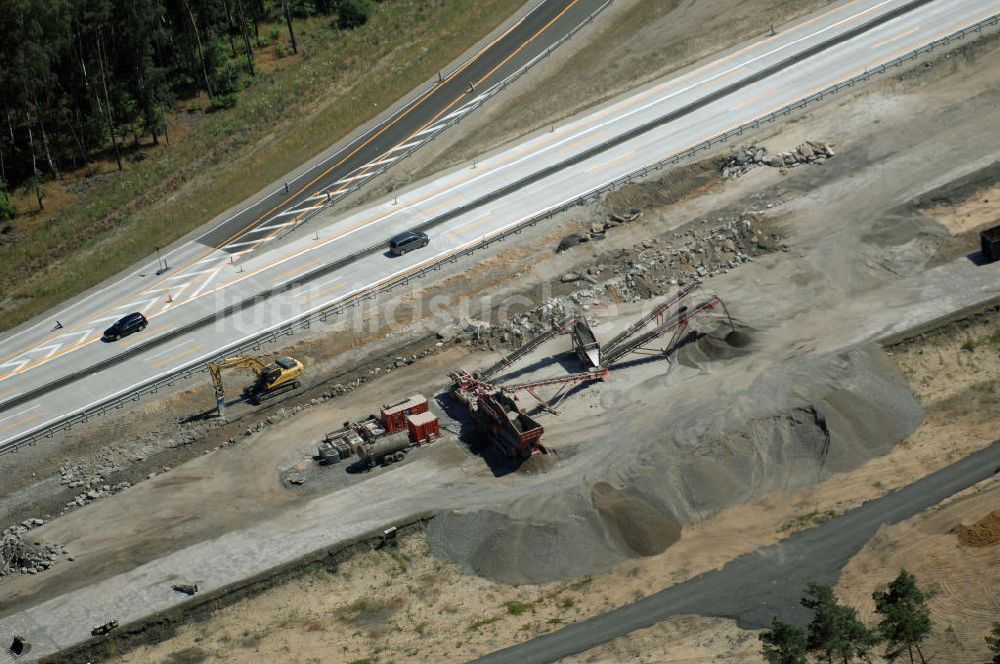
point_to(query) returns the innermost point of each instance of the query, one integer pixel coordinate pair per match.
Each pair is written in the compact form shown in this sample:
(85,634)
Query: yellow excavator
(279,376)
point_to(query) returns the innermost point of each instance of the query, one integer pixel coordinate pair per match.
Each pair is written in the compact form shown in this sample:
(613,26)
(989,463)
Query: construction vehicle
(494,408)
(383,439)
(989,240)
(272,379)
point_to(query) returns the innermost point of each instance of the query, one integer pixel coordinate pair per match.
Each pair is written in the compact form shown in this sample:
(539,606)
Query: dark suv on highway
(404,242)
(123,327)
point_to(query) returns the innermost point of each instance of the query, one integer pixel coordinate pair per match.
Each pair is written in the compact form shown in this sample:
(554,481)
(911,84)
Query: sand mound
(633,522)
(985,532)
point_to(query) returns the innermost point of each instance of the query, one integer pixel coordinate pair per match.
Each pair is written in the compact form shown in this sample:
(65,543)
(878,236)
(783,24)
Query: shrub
(353,13)
(7,209)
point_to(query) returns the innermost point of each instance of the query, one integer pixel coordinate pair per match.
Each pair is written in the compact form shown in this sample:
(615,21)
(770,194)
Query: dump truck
(271,379)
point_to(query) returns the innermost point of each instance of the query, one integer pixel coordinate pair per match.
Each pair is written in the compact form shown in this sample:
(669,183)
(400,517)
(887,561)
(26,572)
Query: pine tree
(993,643)
(835,630)
(905,619)
(783,644)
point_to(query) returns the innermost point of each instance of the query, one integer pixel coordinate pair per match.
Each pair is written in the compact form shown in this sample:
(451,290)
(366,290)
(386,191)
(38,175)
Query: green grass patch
(216,160)
(517,608)
(809,520)
(479,624)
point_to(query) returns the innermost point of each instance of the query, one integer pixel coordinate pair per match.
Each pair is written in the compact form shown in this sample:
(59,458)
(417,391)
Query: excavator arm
(215,369)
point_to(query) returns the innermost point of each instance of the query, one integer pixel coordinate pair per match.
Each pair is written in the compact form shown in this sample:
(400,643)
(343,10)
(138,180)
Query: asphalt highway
(767,583)
(220,298)
(545,24)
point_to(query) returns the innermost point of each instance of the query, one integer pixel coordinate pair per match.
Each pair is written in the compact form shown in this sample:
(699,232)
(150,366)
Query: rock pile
(18,556)
(649,269)
(598,230)
(749,157)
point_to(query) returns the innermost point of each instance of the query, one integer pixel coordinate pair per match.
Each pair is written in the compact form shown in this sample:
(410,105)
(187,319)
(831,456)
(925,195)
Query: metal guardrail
(120,400)
(453,119)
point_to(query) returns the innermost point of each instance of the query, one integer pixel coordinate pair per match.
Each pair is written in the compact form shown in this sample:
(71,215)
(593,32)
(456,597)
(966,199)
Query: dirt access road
(768,583)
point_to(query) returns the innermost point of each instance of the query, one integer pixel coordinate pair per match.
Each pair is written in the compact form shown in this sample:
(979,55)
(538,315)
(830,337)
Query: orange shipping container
(393,416)
(423,427)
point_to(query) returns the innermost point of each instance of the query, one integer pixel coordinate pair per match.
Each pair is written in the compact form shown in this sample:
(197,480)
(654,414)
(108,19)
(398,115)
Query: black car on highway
(123,327)
(404,242)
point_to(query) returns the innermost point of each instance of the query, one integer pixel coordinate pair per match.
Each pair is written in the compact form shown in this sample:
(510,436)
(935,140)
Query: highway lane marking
(840,79)
(403,146)
(144,336)
(730,74)
(616,160)
(295,271)
(444,204)
(455,230)
(172,298)
(243,244)
(762,95)
(22,422)
(418,101)
(390,160)
(309,298)
(8,393)
(484,77)
(955,27)
(136,305)
(671,83)
(575,145)
(905,33)
(351,178)
(206,282)
(19,414)
(193,349)
(171,349)
(272,226)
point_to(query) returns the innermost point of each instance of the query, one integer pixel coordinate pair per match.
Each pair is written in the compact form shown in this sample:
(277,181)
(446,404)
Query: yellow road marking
(19,423)
(762,95)
(447,203)
(296,271)
(726,77)
(470,225)
(611,163)
(322,292)
(137,339)
(184,353)
(894,38)
(583,141)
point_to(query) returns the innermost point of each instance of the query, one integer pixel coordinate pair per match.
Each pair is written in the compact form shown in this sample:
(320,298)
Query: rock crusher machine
(494,408)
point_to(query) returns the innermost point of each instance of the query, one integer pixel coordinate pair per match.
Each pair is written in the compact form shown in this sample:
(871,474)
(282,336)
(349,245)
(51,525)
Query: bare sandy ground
(404,605)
